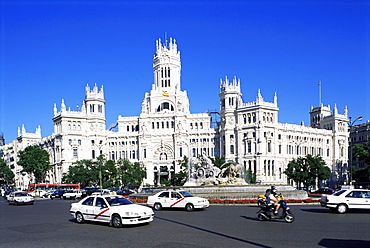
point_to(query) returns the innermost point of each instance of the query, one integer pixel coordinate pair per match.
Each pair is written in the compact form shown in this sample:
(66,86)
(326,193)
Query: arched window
(165,106)
(163,156)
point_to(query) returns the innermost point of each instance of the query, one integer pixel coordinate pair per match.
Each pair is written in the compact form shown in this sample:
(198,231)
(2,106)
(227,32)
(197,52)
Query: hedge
(241,201)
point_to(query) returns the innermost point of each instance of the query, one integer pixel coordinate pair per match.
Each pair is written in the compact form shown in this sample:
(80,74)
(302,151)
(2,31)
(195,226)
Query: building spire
(259,97)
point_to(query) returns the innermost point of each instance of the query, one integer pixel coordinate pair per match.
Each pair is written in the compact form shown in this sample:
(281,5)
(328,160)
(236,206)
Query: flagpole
(319,83)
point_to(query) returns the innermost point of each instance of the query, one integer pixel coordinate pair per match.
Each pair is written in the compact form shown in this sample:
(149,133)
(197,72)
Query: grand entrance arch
(164,163)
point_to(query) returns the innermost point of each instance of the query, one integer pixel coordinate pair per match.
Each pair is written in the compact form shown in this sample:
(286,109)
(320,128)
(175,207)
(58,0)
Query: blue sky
(50,50)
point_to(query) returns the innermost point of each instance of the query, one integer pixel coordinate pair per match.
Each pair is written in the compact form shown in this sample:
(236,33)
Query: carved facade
(165,131)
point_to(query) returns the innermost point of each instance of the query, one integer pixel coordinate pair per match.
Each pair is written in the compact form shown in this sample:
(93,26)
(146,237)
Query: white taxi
(346,199)
(176,199)
(20,197)
(113,209)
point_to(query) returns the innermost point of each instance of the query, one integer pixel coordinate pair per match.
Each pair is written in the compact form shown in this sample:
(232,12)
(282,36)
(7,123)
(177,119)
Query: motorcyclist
(271,199)
(274,199)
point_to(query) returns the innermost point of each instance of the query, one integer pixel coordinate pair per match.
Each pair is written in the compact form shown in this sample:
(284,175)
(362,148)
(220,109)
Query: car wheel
(79,218)
(189,207)
(341,208)
(157,206)
(116,221)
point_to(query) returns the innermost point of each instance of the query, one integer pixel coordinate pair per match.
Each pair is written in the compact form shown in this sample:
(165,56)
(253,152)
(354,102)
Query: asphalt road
(49,224)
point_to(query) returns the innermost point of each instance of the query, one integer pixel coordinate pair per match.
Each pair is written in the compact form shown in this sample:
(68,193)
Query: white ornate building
(165,131)
(251,134)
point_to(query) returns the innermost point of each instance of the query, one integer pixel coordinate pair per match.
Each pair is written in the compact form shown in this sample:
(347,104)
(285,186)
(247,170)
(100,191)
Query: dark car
(124,192)
(57,194)
(322,191)
(6,193)
(88,191)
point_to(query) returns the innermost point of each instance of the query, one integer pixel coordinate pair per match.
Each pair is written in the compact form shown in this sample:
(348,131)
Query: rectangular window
(75,155)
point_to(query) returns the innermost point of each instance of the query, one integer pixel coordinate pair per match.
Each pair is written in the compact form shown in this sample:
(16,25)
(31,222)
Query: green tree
(218,161)
(131,173)
(250,177)
(362,151)
(6,174)
(35,160)
(296,171)
(110,174)
(180,177)
(307,170)
(87,173)
(84,172)
(318,170)
(361,175)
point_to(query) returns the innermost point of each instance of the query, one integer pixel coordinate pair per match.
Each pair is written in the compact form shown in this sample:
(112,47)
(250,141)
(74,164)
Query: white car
(20,197)
(72,194)
(176,199)
(113,209)
(346,199)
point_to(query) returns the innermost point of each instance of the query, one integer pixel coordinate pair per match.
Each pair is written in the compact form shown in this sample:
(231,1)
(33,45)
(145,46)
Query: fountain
(226,182)
(202,172)
(209,181)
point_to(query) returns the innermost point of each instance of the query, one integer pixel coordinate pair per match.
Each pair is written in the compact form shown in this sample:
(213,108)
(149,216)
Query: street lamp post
(350,124)
(100,161)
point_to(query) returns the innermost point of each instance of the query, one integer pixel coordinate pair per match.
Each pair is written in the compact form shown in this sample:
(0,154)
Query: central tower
(167,67)
(166,96)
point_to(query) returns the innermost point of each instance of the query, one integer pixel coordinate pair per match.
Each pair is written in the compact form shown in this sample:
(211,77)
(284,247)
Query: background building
(166,131)
(359,134)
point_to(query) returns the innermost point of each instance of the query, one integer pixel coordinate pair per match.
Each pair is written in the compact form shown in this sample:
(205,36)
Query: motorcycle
(266,212)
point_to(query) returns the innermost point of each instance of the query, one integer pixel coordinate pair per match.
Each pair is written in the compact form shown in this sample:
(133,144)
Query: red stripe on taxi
(177,202)
(102,212)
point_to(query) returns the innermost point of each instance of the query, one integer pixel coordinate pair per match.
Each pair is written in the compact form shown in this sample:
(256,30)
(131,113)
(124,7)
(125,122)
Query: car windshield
(186,194)
(21,194)
(116,201)
(339,192)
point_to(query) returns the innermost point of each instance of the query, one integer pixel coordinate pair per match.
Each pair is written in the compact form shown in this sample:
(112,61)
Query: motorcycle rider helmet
(273,190)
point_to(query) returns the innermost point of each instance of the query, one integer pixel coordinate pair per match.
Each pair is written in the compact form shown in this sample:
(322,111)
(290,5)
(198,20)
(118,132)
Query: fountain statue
(202,172)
